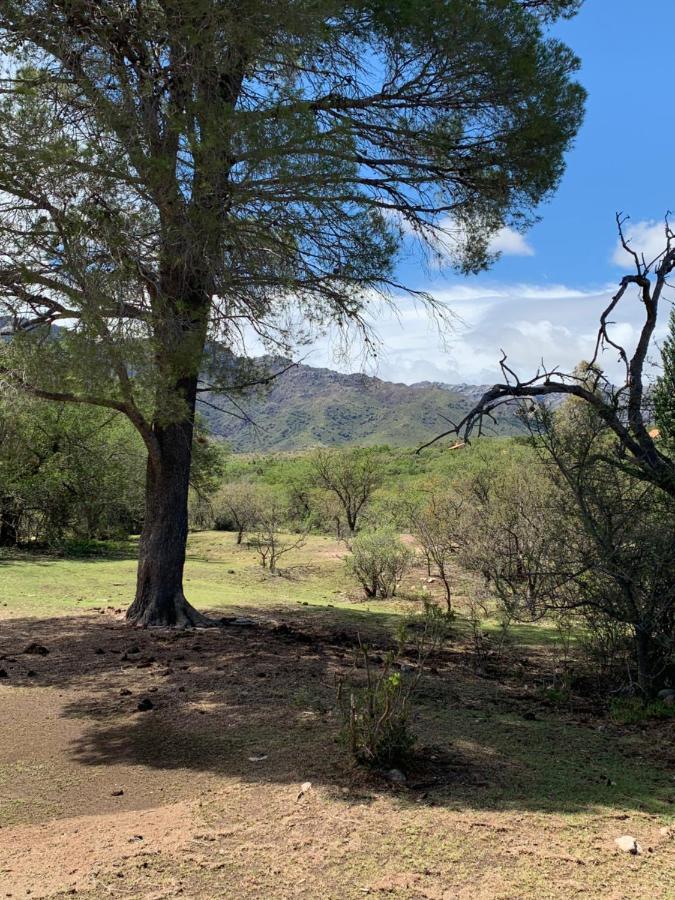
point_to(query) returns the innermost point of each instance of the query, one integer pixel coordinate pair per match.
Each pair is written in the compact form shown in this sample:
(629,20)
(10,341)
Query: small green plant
(559,692)
(375,704)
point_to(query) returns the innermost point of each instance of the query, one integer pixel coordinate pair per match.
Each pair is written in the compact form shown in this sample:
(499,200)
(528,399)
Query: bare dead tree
(625,409)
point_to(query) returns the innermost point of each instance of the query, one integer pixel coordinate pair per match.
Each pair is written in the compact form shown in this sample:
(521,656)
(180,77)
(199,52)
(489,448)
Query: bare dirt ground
(200,795)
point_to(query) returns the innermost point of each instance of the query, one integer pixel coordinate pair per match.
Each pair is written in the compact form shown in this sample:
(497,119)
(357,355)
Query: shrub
(379,560)
(376,711)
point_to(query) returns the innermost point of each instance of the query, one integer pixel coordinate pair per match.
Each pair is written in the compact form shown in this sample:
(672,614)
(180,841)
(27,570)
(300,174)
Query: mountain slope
(309,407)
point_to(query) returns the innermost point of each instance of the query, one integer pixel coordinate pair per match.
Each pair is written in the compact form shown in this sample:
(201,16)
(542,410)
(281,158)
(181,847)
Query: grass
(219,576)
(224,577)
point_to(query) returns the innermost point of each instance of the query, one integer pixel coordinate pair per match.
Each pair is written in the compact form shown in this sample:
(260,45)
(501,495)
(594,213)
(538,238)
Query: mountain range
(306,407)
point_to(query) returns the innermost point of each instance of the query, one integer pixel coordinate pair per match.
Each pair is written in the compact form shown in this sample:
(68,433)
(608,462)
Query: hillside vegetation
(309,407)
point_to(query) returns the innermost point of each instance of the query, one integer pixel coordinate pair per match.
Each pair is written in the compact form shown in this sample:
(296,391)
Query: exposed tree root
(176,613)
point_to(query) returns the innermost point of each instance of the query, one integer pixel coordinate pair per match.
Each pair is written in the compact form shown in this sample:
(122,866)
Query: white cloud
(645,238)
(510,243)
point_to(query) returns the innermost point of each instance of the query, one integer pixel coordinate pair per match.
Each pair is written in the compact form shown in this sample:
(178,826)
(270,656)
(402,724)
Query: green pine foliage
(664,393)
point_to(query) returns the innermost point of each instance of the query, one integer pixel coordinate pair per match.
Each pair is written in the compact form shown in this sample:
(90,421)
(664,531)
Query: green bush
(379,560)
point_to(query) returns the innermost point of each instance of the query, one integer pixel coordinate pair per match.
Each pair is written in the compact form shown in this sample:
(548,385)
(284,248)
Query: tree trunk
(643,646)
(159,588)
(447,588)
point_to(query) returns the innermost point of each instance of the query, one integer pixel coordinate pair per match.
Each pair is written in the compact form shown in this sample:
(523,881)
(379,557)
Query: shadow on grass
(81,551)
(256,702)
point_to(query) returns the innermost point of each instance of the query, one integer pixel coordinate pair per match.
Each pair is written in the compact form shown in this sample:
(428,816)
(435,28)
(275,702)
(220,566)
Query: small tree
(379,560)
(509,536)
(67,473)
(352,476)
(436,523)
(328,512)
(576,536)
(269,539)
(615,537)
(237,507)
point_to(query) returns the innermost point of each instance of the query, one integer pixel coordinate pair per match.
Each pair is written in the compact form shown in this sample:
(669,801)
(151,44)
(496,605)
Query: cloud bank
(531,323)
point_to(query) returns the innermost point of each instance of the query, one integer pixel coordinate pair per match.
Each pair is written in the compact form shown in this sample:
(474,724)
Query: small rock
(31,673)
(125,692)
(135,838)
(145,704)
(117,793)
(99,651)
(395,776)
(529,716)
(258,758)
(628,844)
(305,787)
(669,700)
(3,673)
(134,649)
(230,572)
(666,692)
(36,649)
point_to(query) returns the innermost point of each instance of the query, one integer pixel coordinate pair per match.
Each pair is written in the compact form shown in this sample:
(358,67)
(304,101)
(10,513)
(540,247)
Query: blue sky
(542,298)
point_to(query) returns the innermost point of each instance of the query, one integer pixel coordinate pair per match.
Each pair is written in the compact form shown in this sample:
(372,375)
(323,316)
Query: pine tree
(175,172)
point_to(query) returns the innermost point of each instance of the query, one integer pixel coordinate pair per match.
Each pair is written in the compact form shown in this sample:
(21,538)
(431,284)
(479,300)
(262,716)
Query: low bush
(376,702)
(379,560)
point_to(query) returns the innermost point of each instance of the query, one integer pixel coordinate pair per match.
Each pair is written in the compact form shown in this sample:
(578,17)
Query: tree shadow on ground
(257,702)
(93,552)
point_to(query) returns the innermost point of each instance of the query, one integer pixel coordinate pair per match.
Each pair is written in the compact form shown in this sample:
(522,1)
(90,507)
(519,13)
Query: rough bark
(160,599)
